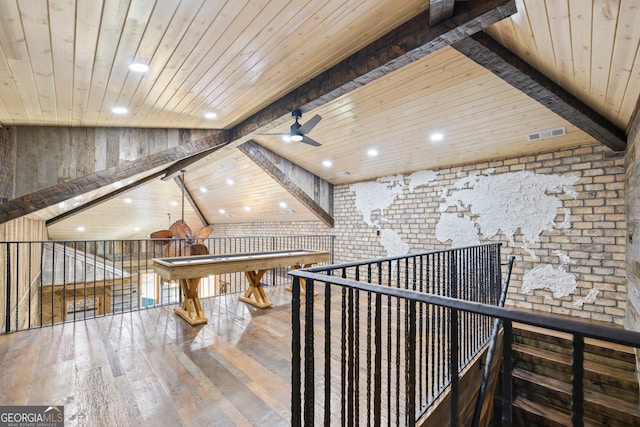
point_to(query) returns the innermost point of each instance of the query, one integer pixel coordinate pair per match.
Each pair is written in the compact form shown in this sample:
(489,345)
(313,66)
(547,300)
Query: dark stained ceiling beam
(59,193)
(407,43)
(255,152)
(487,52)
(440,10)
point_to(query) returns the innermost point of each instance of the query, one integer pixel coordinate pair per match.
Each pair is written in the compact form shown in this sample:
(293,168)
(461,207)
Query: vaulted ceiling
(383,74)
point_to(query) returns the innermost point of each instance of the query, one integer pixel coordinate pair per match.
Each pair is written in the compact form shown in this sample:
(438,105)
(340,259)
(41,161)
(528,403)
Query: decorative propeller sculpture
(178,240)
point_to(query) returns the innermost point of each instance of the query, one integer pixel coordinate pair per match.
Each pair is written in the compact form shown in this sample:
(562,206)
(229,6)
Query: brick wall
(594,240)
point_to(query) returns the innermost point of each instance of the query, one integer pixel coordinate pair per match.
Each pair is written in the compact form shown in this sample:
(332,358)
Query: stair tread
(589,366)
(566,336)
(590,396)
(552,416)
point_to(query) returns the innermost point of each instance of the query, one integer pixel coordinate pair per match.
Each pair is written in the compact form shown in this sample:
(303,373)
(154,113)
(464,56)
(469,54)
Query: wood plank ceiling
(238,58)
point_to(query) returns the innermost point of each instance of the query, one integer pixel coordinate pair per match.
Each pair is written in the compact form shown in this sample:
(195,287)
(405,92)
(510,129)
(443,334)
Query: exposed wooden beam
(485,51)
(187,195)
(440,10)
(58,193)
(257,153)
(409,42)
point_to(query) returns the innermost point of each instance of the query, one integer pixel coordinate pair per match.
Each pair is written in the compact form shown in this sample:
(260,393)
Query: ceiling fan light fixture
(296,138)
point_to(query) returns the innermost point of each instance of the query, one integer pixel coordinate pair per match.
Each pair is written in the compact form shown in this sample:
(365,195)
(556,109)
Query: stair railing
(303,393)
(492,347)
(386,358)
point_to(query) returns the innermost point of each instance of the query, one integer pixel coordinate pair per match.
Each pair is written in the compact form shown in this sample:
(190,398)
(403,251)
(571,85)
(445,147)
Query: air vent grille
(551,133)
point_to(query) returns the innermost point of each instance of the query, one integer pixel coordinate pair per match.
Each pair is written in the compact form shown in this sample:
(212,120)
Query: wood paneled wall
(8,148)
(49,155)
(632,211)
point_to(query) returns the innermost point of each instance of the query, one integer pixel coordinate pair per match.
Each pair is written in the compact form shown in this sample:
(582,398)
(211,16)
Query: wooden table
(79,296)
(189,270)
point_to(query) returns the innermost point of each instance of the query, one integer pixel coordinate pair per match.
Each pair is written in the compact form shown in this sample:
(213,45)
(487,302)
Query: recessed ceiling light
(283,205)
(137,229)
(436,136)
(174,203)
(372,152)
(229,181)
(81,228)
(119,110)
(128,200)
(221,211)
(247,209)
(327,163)
(202,189)
(210,116)
(139,67)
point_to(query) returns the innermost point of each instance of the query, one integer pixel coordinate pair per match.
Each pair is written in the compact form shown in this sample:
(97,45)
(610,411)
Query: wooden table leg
(255,290)
(303,282)
(191,310)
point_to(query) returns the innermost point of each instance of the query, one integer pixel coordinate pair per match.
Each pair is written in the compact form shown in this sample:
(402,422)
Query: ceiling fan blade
(310,124)
(310,141)
(274,134)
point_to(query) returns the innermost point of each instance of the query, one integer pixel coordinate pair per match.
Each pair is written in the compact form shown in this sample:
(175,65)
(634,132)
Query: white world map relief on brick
(479,207)
(507,203)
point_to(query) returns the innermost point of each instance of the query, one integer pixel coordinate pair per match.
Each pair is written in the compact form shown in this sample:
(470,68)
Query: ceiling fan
(299,132)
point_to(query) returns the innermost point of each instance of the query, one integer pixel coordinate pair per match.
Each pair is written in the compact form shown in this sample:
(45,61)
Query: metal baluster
(410,378)
(327,354)
(7,320)
(349,340)
(377,404)
(17,284)
(309,371)
(507,377)
(343,358)
(296,384)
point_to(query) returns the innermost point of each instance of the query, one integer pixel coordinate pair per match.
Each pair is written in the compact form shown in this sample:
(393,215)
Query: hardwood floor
(151,368)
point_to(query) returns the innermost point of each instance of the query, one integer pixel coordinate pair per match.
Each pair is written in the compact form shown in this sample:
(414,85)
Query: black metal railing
(387,357)
(385,402)
(48,282)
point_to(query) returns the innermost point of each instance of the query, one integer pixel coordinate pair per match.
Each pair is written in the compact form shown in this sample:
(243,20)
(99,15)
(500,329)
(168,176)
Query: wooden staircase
(542,381)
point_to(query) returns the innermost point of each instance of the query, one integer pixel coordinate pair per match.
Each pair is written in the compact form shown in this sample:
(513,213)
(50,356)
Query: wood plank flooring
(151,368)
